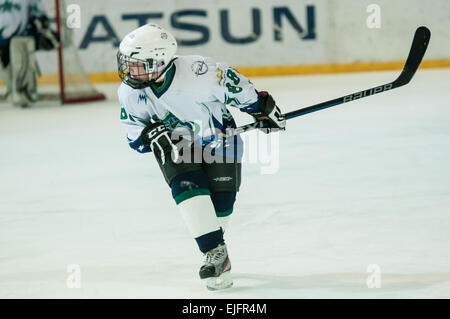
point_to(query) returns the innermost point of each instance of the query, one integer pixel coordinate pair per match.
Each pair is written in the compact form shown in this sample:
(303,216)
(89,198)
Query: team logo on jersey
(199,68)
(142,97)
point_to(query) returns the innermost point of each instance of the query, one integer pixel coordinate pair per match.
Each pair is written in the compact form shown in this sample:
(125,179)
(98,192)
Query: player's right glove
(268,113)
(158,137)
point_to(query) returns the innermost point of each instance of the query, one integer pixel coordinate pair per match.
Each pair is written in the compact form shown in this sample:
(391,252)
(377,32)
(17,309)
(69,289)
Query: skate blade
(224,281)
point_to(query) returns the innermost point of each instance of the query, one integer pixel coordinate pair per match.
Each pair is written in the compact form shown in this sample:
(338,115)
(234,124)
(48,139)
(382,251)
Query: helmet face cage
(136,80)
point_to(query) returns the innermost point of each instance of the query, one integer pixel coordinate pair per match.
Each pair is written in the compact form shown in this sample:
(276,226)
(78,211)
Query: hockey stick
(416,53)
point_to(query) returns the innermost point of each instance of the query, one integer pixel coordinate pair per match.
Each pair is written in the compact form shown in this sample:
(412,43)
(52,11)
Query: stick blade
(418,49)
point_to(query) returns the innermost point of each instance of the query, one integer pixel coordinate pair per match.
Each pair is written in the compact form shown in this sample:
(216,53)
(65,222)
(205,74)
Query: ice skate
(217,269)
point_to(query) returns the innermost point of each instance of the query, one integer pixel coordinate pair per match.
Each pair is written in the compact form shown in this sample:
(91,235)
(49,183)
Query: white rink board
(338,32)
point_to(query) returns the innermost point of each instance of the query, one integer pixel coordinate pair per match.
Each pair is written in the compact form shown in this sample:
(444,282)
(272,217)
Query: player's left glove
(268,113)
(158,137)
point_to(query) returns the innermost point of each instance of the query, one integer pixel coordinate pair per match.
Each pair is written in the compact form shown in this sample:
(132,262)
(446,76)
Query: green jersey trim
(159,91)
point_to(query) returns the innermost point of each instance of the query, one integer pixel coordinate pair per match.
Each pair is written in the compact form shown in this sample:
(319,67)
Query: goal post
(74,83)
(61,75)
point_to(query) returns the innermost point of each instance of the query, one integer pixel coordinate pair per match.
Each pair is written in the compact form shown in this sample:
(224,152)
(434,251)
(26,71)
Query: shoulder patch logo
(199,67)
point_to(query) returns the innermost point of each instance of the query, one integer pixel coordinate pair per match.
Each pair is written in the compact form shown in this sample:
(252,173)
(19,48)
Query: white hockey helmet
(149,46)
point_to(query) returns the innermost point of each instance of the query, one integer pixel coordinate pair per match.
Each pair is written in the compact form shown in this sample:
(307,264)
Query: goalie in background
(24,28)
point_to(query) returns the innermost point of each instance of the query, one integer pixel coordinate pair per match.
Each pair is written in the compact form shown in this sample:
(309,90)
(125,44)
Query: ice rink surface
(364,183)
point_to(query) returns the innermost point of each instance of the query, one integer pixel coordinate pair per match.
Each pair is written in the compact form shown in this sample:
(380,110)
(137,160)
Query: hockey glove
(158,138)
(268,113)
(46,38)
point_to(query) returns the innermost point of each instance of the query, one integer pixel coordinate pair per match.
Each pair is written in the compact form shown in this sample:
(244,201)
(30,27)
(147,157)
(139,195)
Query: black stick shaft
(416,53)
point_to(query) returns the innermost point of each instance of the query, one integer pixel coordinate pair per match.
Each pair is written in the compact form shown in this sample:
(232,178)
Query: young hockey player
(24,27)
(163,94)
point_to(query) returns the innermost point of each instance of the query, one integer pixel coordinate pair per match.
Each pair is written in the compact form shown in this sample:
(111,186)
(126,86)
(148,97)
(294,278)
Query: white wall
(341,33)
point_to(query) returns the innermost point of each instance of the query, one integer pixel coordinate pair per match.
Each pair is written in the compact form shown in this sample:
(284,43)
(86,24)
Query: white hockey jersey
(15,15)
(194,94)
